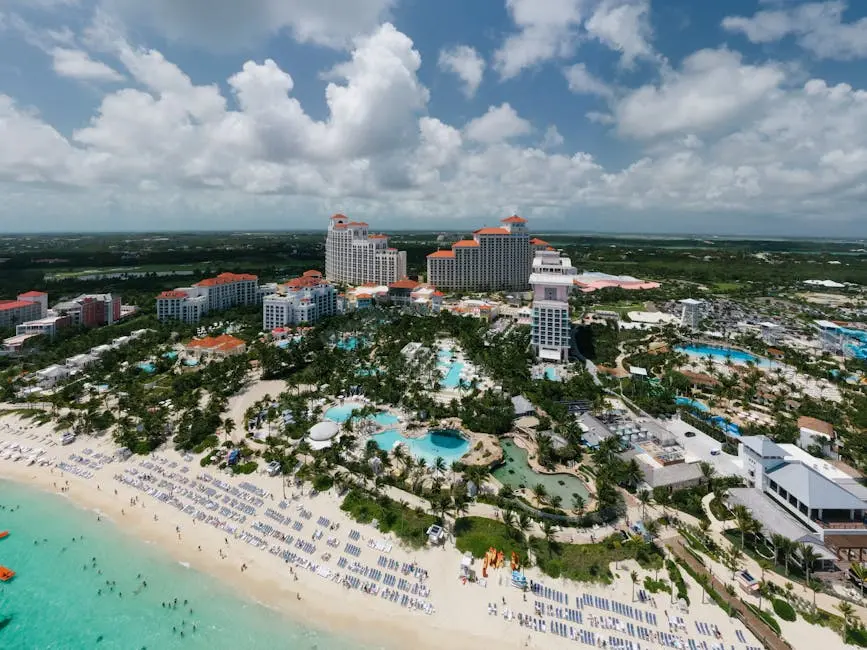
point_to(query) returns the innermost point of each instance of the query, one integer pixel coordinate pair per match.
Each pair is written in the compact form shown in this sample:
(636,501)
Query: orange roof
(312,274)
(362,296)
(814,424)
(538,242)
(357,223)
(377,236)
(405,283)
(438,294)
(338,216)
(33,294)
(442,254)
(223,343)
(491,231)
(7,305)
(514,219)
(172,294)
(465,243)
(225,278)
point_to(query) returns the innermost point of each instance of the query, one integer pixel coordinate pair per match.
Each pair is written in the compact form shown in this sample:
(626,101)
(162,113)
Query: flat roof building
(495,259)
(355,256)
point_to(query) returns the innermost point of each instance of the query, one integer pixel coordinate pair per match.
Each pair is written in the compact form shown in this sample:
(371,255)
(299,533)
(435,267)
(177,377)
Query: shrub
(322,483)
(784,610)
(767,617)
(246,468)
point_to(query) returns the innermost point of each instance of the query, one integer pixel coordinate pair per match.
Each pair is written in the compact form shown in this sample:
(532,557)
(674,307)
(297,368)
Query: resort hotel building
(806,499)
(225,291)
(29,306)
(553,278)
(691,313)
(354,256)
(301,300)
(495,259)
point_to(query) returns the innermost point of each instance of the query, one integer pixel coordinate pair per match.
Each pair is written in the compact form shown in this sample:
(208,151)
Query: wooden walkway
(757,626)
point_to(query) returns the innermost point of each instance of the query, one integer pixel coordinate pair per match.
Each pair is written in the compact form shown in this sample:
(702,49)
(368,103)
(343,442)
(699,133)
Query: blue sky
(737,117)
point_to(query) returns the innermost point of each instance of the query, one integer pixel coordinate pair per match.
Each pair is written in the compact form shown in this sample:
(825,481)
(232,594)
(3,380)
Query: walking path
(823,600)
(756,625)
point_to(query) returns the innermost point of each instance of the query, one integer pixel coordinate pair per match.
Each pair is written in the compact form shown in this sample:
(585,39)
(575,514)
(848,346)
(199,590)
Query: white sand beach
(461,615)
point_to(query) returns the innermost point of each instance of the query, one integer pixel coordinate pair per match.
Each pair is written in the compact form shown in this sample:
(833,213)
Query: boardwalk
(757,626)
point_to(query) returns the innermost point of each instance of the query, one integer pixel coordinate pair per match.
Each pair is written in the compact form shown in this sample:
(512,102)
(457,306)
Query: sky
(743,117)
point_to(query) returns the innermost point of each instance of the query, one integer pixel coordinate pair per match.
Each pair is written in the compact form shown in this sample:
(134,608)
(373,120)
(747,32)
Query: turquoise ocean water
(54,600)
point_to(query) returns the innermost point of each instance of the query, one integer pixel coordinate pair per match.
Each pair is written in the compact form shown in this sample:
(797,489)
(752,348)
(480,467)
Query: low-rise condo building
(29,306)
(495,259)
(305,299)
(553,279)
(91,310)
(803,498)
(189,304)
(355,256)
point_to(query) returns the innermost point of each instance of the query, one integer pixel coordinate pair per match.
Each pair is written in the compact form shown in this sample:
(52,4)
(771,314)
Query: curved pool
(515,472)
(721,354)
(446,443)
(341,412)
(694,403)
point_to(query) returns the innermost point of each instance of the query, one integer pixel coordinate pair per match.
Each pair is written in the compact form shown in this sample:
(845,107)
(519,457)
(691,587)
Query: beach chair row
(388,563)
(352,549)
(354,535)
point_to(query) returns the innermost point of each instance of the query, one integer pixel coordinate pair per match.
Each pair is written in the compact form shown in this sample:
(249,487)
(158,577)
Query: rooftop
(466,243)
(491,231)
(763,446)
(514,219)
(812,489)
(538,242)
(442,254)
(404,283)
(222,343)
(817,425)
(172,294)
(33,294)
(6,305)
(225,278)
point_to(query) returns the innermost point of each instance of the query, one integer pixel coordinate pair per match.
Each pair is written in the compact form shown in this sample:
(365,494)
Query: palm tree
(848,612)
(707,472)
(634,576)
(743,519)
(704,527)
(860,572)
(578,503)
(735,557)
(524,523)
(645,497)
(548,532)
(808,558)
(539,493)
(440,465)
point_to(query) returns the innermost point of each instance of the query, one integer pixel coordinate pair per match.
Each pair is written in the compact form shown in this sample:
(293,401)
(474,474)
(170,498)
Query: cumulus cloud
(465,62)
(228,24)
(553,29)
(581,81)
(711,88)
(499,124)
(817,26)
(716,135)
(77,64)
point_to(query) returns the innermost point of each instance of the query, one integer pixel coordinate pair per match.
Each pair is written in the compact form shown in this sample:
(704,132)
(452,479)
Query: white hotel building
(495,259)
(353,256)
(553,278)
(301,300)
(225,291)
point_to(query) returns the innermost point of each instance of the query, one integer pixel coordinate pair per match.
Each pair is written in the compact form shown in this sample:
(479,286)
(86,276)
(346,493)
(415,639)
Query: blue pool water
(727,427)
(191,362)
(687,401)
(341,412)
(385,419)
(171,355)
(452,378)
(723,353)
(551,374)
(148,367)
(54,599)
(348,344)
(450,445)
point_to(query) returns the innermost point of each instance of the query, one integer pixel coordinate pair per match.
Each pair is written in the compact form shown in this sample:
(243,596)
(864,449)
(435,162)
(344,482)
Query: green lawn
(726,287)
(478,534)
(408,524)
(590,562)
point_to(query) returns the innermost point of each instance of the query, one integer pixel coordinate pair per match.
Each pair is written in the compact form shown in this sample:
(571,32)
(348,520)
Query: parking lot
(700,446)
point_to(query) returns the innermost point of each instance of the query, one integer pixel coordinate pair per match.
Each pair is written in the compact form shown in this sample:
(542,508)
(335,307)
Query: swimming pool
(191,362)
(341,412)
(551,374)
(694,403)
(385,419)
(171,355)
(516,472)
(350,343)
(452,378)
(148,367)
(445,443)
(721,354)
(729,428)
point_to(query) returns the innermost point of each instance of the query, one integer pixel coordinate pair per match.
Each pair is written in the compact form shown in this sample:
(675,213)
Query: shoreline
(463,618)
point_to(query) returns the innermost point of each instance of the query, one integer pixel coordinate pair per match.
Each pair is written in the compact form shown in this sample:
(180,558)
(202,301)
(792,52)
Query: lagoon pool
(452,378)
(350,343)
(445,443)
(171,355)
(385,419)
(516,472)
(721,354)
(341,412)
(148,367)
(687,401)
